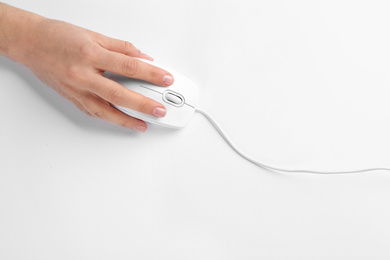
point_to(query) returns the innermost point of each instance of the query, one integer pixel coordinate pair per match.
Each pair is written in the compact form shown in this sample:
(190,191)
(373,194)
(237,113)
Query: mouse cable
(267,167)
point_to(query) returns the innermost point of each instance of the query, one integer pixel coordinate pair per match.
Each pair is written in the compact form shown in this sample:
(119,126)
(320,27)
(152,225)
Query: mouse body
(180,99)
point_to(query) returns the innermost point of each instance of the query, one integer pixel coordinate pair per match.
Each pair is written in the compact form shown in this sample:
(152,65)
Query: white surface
(300,84)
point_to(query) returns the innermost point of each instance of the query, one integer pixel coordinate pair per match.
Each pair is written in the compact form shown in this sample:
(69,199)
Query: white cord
(264,166)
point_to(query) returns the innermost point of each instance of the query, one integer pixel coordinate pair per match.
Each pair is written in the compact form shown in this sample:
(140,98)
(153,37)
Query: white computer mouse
(180,99)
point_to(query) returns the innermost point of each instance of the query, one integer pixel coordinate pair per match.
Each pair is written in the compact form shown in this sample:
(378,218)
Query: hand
(72,60)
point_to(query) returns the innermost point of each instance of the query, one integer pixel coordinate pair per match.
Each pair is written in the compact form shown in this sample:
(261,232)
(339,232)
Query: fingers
(116,94)
(124,65)
(99,108)
(123,47)
(117,56)
(120,57)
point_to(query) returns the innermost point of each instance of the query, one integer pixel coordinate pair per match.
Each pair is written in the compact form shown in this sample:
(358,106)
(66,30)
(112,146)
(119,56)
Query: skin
(72,60)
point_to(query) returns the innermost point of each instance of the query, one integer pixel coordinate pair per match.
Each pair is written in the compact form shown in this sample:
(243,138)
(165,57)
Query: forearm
(17,28)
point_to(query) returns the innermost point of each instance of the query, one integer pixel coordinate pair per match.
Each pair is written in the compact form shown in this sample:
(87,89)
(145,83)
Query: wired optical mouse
(180,99)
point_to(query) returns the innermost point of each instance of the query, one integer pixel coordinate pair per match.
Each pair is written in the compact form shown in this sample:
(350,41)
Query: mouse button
(173,98)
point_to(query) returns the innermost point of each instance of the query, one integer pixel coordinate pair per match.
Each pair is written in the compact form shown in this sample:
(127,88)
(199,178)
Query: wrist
(17,32)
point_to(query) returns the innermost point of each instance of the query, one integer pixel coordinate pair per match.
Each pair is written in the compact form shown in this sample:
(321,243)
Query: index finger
(134,68)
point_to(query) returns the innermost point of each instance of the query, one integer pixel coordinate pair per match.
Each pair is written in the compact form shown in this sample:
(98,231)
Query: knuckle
(116,97)
(130,67)
(88,50)
(98,114)
(124,123)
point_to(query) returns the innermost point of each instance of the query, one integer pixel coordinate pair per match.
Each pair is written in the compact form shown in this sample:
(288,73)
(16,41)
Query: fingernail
(140,128)
(146,56)
(159,112)
(167,80)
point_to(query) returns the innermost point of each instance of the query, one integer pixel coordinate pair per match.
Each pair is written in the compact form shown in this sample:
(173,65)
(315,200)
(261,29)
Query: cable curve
(267,167)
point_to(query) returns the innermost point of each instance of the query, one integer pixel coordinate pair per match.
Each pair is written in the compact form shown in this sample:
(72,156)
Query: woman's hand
(72,60)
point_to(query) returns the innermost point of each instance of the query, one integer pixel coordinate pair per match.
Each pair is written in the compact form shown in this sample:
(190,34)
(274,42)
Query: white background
(296,84)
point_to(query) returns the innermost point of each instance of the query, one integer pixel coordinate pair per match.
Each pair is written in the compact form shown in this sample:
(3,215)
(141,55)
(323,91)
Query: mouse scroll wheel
(173,98)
